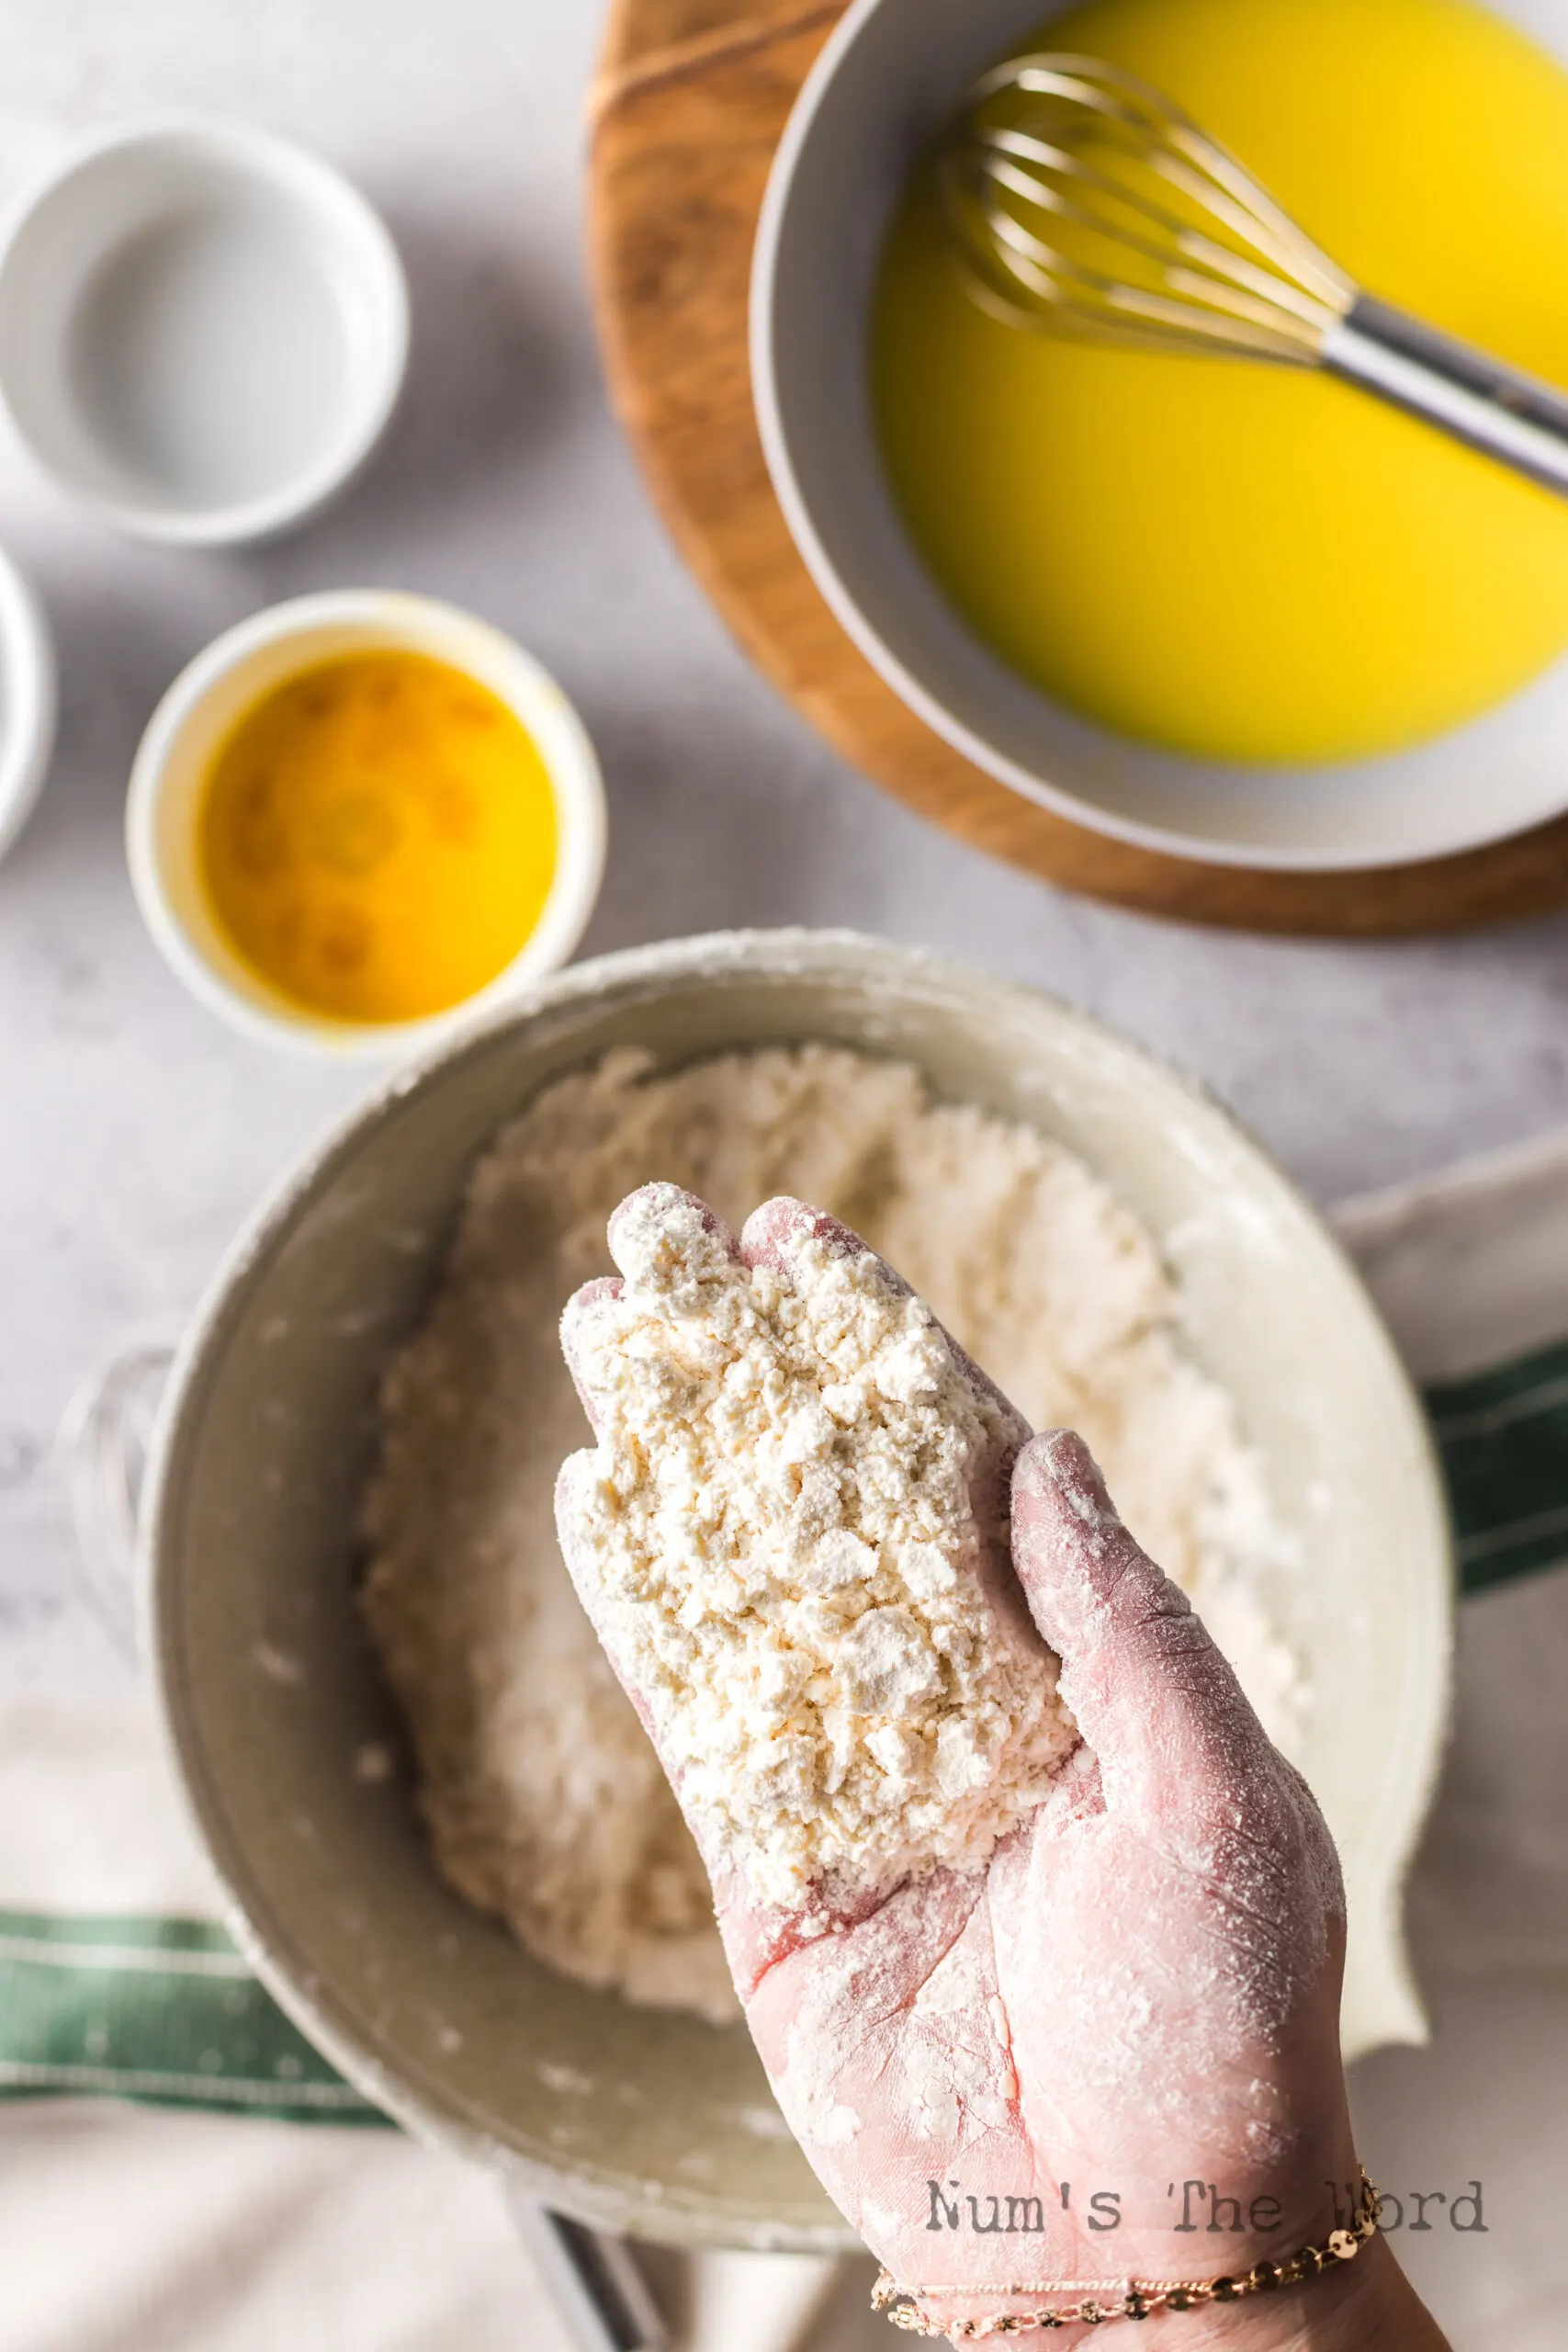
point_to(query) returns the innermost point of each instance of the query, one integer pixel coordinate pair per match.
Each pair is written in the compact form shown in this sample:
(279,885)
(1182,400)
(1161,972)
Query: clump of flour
(543,1797)
(780,1528)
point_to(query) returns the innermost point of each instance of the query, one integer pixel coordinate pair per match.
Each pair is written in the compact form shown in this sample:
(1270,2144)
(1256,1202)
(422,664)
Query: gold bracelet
(1138,2297)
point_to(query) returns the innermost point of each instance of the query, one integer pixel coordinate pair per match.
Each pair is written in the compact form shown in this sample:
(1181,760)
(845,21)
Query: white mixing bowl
(656,2122)
(890,73)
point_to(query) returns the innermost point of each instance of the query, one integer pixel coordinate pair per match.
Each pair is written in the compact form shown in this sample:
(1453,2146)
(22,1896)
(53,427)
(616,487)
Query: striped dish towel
(1470,1269)
(163,2009)
(115,1979)
(1504,1439)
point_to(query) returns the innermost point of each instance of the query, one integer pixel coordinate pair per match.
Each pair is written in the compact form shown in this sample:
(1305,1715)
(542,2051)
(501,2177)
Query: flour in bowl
(542,1798)
(789,1526)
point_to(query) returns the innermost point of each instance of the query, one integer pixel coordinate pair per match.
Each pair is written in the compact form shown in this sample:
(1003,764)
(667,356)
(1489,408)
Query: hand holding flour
(1044,1995)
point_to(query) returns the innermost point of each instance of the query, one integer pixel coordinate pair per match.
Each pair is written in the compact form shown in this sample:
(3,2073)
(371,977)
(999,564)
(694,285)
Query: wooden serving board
(686,110)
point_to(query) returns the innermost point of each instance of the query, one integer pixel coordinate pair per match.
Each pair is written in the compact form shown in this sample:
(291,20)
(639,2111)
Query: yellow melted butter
(377,837)
(1241,561)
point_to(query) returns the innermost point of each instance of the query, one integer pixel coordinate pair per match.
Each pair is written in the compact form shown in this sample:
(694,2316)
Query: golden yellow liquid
(1241,561)
(377,837)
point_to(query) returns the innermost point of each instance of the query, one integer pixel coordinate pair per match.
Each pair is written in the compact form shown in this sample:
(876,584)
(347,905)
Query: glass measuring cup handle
(101,1454)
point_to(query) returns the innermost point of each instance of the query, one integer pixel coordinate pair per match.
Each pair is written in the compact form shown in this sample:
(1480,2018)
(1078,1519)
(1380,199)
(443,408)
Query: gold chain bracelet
(1137,2297)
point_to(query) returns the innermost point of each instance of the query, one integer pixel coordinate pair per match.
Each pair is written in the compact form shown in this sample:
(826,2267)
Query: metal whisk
(1087,204)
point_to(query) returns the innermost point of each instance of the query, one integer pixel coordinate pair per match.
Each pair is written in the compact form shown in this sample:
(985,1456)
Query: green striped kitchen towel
(164,2010)
(1503,1436)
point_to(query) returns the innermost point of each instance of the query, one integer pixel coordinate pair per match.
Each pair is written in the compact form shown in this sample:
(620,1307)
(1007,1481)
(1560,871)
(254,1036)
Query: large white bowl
(889,74)
(658,2123)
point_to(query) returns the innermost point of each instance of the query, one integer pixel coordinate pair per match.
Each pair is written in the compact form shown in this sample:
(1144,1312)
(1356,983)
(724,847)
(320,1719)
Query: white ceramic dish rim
(388,618)
(29,700)
(268,159)
(268,1943)
(1079,808)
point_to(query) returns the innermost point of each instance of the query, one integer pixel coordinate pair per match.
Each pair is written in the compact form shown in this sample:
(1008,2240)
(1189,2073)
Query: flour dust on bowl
(633,2116)
(1222,607)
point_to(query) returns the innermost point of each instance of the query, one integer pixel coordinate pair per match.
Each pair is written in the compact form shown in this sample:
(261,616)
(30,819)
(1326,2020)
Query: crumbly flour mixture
(778,1526)
(543,1797)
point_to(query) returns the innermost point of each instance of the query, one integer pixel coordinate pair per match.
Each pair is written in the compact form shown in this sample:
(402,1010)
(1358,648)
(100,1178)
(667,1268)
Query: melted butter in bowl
(1236,561)
(1208,607)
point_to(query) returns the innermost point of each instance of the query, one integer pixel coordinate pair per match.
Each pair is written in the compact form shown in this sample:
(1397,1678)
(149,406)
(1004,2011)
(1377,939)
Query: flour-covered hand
(1087,2026)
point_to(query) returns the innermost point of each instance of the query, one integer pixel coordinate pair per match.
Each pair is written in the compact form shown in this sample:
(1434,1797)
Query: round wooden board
(687,108)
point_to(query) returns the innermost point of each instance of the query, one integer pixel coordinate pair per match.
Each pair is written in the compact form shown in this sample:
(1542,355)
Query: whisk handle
(1496,409)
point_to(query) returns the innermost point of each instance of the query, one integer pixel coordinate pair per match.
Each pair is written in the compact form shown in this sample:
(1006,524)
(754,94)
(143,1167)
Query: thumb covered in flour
(1178,1743)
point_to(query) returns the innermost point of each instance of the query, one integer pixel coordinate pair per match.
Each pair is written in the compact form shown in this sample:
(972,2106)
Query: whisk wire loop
(1152,232)
(1059,178)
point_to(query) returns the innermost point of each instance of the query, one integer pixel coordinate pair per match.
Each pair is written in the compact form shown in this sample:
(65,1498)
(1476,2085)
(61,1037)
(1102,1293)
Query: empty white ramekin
(203,331)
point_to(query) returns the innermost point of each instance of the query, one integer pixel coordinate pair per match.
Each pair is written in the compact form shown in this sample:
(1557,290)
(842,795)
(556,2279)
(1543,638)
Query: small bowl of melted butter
(357,817)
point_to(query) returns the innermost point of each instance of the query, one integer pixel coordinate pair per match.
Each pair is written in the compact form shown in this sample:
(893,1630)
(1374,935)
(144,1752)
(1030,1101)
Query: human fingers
(641,1233)
(1177,1741)
(576,1317)
(783,1234)
(754,1937)
(666,1242)
(778,1539)
(775,1234)
(644,1233)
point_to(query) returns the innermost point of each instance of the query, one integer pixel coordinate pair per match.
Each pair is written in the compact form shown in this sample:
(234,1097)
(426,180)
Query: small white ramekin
(271,451)
(28,698)
(205,703)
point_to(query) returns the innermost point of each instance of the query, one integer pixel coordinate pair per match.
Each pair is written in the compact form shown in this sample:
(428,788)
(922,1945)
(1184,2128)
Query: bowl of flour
(446,1841)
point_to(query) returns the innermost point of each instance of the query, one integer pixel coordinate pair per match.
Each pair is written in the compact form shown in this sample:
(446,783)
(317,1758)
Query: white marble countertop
(135,1132)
